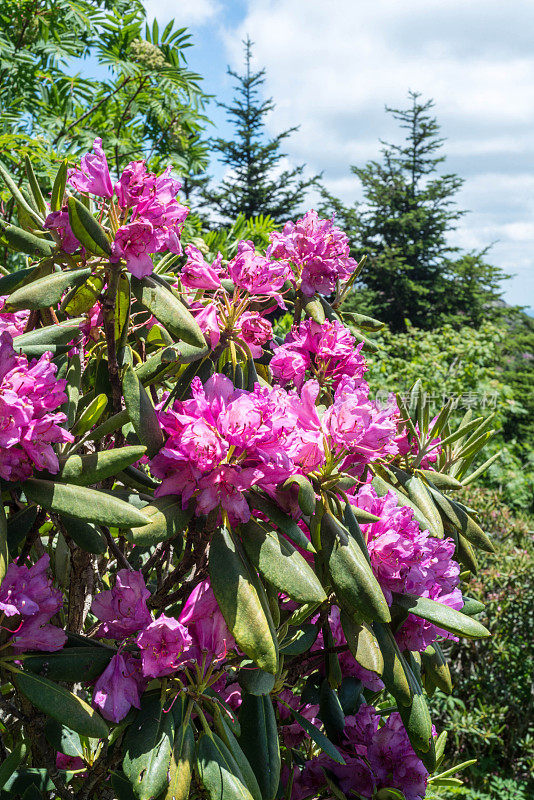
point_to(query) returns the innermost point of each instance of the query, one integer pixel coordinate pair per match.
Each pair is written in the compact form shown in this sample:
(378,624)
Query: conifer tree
(256,182)
(403,223)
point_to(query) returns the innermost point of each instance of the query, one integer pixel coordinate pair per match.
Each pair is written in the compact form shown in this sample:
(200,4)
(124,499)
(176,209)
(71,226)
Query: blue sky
(333,66)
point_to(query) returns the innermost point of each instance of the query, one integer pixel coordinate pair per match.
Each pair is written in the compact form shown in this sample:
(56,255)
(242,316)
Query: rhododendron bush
(226,571)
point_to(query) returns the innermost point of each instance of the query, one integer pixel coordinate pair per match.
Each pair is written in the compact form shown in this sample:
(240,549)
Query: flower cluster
(406,559)
(318,251)
(376,757)
(326,352)
(164,645)
(27,596)
(29,421)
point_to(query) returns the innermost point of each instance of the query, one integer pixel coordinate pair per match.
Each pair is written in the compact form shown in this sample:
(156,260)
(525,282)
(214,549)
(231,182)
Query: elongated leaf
(242,601)
(356,587)
(87,230)
(181,764)
(86,535)
(306,495)
(419,495)
(90,415)
(70,664)
(363,644)
(224,731)
(81,299)
(434,663)
(8,767)
(4,555)
(58,189)
(82,503)
(441,615)
(218,770)
(365,323)
(472,607)
(316,735)
(46,291)
(147,749)
(26,242)
(35,189)
(395,673)
(254,680)
(63,333)
(466,524)
(315,310)
(281,563)
(330,712)
(441,480)
(19,197)
(60,704)
(168,309)
(166,519)
(351,523)
(65,740)
(141,412)
(299,640)
(95,467)
(382,487)
(8,283)
(282,521)
(259,741)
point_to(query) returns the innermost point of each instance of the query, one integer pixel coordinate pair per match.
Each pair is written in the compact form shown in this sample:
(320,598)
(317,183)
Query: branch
(101,102)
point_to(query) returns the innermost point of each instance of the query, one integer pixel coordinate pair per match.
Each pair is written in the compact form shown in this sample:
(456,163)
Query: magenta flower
(36,633)
(59,222)
(203,619)
(135,184)
(293,733)
(70,763)
(93,174)
(318,251)
(123,609)
(256,274)
(12,322)
(255,331)
(165,646)
(197,273)
(134,242)
(208,322)
(29,392)
(394,762)
(119,687)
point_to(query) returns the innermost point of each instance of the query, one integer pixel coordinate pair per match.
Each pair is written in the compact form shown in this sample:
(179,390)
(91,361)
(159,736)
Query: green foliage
(402,226)
(254,186)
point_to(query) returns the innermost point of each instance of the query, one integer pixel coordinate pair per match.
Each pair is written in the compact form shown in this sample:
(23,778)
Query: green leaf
(90,415)
(27,783)
(58,189)
(26,242)
(441,615)
(435,664)
(363,322)
(82,503)
(281,520)
(69,664)
(315,310)
(299,641)
(395,673)
(316,735)
(356,587)
(280,562)
(382,487)
(169,310)
(166,519)
(19,197)
(10,764)
(65,740)
(141,412)
(330,712)
(418,494)
(242,601)
(81,299)
(350,518)
(306,494)
(47,291)
(4,555)
(363,644)
(61,333)
(147,748)
(224,731)
(463,522)
(87,229)
(441,480)
(254,680)
(181,764)
(86,535)
(8,283)
(60,704)
(218,770)
(259,741)
(19,525)
(418,725)
(472,607)
(95,467)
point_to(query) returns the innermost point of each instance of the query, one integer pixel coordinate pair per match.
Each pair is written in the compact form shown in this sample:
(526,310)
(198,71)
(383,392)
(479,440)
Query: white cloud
(184,12)
(331,68)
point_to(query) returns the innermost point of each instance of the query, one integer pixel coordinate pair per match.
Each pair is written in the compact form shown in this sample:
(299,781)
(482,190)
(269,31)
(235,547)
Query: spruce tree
(403,223)
(256,184)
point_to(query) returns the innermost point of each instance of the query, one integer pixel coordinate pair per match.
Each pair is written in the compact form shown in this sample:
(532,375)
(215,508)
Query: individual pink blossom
(324,351)
(318,251)
(36,633)
(29,393)
(12,322)
(59,222)
(165,646)
(197,273)
(255,331)
(134,242)
(224,488)
(203,619)
(122,610)
(406,559)
(92,175)
(135,184)
(256,274)
(119,687)
(208,322)
(70,763)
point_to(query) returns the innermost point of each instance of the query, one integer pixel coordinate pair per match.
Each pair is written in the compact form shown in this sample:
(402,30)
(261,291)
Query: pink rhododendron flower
(92,175)
(317,249)
(165,646)
(293,733)
(119,687)
(406,559)
(208,322)
(197,273)
(255,331)
(12,322)
(203,619)
(59,222)
(36,633)
(256,274)
(135,184)
(29,392)
(325,352)
(134,242)
(70,763)
(394,762)
(122,609)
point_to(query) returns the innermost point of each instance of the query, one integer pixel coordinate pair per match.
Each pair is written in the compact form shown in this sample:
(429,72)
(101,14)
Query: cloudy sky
(332,67)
